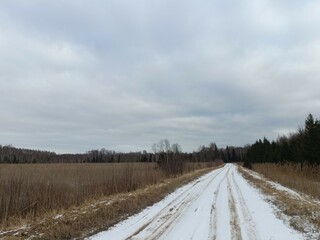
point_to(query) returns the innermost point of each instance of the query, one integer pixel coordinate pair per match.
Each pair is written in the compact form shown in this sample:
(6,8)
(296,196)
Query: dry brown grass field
(306,180)
(30,190)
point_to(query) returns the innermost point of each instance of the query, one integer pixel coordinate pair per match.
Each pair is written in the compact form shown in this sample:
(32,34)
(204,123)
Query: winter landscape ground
(219,205)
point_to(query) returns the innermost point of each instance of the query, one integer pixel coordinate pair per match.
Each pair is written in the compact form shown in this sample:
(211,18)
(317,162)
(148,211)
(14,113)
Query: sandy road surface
(218,205)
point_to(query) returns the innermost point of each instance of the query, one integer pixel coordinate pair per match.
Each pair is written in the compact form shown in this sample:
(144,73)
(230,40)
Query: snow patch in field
(58,216)
(24,227)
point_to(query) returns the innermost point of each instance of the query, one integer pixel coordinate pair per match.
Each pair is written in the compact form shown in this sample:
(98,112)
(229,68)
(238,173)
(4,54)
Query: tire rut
(234,218)
(213,212)
(242,209)
(171,213)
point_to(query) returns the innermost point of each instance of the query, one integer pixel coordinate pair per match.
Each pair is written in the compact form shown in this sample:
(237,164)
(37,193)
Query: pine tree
(317,142)
(310,141)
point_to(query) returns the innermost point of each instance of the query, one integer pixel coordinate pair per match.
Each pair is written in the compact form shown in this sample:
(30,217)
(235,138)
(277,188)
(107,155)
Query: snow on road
(218,205)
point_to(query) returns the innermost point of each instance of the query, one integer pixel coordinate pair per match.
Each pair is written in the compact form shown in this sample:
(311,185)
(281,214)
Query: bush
(171,164)
(247,164)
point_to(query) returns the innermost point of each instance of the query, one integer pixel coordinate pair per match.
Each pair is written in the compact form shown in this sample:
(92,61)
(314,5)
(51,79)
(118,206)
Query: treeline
(302,147)
(161,151)
(10,154)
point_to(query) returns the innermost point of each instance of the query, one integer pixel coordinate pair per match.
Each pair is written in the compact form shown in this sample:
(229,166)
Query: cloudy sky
(122,74)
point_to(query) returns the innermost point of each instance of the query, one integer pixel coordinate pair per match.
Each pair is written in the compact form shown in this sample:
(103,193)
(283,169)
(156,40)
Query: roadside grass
(97,214)
(302,210)
(29,190)
(306,180)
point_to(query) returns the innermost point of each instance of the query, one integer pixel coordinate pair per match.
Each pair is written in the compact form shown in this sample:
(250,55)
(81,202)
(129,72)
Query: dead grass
(306,180)
(303,211)
(97,214)
(30,190)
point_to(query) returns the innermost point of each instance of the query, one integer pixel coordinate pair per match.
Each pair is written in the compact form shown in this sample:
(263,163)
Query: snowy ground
(219,205)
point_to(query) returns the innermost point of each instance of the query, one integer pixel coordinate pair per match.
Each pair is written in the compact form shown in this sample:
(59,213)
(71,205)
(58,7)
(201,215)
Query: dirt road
(219,205)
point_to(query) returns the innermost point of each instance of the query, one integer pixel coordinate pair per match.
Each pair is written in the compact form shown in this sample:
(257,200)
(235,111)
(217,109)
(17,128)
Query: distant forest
(302,147)
(161,151)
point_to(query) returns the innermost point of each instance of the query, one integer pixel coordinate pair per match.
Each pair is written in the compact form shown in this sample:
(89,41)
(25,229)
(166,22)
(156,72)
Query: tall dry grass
(33,189)
(29,190)
(305,180)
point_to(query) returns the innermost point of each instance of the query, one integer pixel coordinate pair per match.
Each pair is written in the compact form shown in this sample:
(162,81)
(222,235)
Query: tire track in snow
(168,208)
(162,232)
(248,228)
(234,218)
(162,221)
(213,212)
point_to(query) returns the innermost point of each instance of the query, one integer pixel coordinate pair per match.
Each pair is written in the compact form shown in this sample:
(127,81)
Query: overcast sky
(123,74)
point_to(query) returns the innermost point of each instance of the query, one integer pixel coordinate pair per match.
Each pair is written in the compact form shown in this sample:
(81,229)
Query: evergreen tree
(310,143)
(301,147)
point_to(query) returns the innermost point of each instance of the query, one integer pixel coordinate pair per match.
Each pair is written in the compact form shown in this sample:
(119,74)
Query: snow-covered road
(218,205)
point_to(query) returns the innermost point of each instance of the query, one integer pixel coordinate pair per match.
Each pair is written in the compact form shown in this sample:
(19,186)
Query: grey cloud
(78,75)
